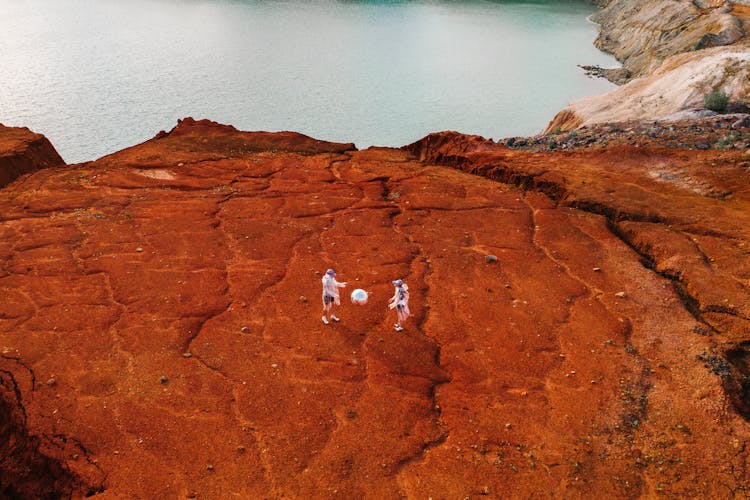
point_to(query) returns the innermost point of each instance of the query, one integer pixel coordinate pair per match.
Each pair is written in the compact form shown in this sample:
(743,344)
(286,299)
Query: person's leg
(398,326)
(333,316)
(326,309)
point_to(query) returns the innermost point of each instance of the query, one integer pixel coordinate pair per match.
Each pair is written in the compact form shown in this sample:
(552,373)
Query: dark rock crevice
(26,471)
(420,258)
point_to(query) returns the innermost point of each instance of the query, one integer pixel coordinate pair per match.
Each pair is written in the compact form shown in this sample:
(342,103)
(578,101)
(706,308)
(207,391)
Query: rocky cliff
(673,53)
(579,321)
(641,34)
(23,151)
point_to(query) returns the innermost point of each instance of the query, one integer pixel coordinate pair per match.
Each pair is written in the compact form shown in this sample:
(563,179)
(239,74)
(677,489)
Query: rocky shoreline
(673,53)
(723,132)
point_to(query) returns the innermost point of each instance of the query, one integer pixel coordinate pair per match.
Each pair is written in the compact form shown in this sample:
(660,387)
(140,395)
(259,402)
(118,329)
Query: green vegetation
(726,141)
(716,100)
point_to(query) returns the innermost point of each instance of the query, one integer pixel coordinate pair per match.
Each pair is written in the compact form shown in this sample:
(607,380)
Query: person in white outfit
(330,295)
(400,302)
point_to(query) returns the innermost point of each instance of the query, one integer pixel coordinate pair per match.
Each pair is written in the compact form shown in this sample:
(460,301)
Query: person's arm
(340,284)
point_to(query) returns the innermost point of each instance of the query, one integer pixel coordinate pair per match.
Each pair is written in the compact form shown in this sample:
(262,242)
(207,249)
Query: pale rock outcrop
(673,52)
(679,84)
(641,34)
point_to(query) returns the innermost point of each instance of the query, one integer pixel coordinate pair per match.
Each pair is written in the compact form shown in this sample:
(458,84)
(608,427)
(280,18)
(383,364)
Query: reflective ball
(359,297)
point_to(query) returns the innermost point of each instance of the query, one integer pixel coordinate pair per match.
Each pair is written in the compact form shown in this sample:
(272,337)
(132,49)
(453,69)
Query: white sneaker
(334,318)
(399,328)
(324,319)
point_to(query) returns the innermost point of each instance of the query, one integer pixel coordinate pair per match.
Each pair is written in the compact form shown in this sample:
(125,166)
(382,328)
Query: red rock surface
(160,330)
(22,151)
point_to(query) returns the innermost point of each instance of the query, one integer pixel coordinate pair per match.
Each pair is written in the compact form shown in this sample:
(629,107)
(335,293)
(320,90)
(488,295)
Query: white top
(331,286)
(400,296)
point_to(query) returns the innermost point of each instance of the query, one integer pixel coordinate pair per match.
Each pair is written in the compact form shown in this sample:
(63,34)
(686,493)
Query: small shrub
(725,142)
(716,100)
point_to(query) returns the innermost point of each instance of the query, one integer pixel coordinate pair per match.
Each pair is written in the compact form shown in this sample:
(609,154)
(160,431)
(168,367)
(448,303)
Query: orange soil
(160,319)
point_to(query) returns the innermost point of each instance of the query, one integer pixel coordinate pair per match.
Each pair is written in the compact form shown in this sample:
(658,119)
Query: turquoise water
(99,75)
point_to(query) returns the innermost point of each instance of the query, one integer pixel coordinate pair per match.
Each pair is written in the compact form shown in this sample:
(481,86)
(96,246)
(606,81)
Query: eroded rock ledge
(33,466)
(159,313)
(23,151)
(685,213)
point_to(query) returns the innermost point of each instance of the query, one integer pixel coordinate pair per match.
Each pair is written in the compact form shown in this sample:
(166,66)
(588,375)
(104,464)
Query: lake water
(96,76)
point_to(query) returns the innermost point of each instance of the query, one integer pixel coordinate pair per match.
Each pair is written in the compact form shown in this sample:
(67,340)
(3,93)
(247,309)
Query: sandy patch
(157,174)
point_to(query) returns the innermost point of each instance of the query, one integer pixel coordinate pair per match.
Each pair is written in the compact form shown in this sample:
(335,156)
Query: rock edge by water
(673,53)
